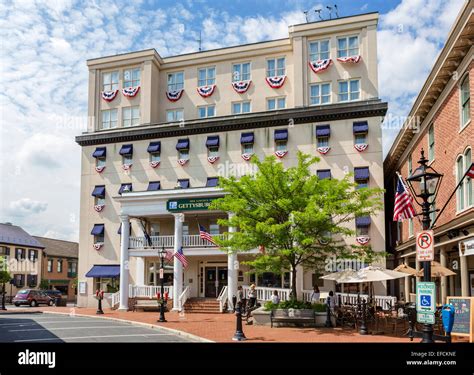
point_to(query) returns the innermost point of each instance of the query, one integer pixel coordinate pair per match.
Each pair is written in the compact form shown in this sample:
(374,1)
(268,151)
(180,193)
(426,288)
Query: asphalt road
(31,327)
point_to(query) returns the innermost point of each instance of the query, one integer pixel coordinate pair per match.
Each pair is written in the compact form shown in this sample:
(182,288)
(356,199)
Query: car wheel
(33,303)
(17,304)
(50,303)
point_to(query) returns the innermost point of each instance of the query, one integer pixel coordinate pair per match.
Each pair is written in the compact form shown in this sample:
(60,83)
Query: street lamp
(162,255)
(424,184)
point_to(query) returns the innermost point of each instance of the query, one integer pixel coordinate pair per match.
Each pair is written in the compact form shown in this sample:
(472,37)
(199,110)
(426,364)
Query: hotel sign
(195,204)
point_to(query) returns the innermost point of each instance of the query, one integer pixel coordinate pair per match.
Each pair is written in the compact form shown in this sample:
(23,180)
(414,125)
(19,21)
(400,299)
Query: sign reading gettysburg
(195,204)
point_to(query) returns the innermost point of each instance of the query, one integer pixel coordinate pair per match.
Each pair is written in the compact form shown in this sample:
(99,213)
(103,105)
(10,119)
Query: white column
(299,282)
(407,283)
(464,276)
(124,259)
(177,265)
(232,271)
(140,271)
(444,279)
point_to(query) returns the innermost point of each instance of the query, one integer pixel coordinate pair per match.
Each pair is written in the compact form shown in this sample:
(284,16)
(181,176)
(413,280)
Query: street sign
(162,273)
(425,246)
(425,318)
(425,297)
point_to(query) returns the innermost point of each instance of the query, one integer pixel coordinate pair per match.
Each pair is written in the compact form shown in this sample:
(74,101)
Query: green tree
(298,218)
(44,284)
(5,277)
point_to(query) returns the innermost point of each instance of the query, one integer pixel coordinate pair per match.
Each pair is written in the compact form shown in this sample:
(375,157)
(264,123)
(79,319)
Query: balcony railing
(191,240)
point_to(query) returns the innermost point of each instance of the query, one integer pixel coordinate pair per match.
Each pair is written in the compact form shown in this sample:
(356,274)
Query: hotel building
(162,130)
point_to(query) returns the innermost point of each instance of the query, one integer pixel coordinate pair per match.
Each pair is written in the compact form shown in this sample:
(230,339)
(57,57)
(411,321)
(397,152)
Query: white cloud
(27,206)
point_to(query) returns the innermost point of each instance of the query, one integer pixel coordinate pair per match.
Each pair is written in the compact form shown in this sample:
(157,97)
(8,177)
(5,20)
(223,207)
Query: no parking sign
(425,246)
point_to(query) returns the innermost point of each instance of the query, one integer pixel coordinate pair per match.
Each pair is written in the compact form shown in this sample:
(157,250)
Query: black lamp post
(3,296)
(424,184)
(162,255)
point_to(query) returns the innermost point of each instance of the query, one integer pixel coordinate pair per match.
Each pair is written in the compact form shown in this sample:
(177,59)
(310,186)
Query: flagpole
(408,192)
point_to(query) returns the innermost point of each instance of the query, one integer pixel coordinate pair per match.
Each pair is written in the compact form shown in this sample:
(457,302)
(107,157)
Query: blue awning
(360,127)
(183,144)
(363,221)
(99,152)
(281,134)
(361,173)
(153,186)
(126,150)
(184,184)
(99,191)
(323,130)
(324,173)
(154,147)
(212,181)
(104,271)
(125,187)
(212,141)
(97,229)
(246,138)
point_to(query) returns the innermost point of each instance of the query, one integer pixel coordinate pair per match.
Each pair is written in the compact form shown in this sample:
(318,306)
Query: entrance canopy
(104,271)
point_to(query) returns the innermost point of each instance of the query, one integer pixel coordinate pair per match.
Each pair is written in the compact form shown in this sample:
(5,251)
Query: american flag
(181,257)
(403,208)
(205,235)
(470,171)
(169,255)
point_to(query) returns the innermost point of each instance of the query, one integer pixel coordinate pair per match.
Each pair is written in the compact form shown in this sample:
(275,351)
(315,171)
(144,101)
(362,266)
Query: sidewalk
(221,327)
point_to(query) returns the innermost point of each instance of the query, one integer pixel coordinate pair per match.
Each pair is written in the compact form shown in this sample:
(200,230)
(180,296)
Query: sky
(44,46)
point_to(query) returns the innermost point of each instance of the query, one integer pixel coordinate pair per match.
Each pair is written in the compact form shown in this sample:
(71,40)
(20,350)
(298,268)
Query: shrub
(319,307)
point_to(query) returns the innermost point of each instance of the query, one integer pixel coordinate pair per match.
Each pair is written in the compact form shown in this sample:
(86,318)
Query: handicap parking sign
(425,297)
(425,300)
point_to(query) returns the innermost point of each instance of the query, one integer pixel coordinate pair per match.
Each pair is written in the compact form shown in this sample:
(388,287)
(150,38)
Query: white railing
(222,298)
(191,240)
(265,294)
(114,299)
(149,291)
(385,302)
(183,298)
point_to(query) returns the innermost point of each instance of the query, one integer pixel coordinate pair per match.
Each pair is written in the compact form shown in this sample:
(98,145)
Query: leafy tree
(44,284)
(296,217)
(5,277)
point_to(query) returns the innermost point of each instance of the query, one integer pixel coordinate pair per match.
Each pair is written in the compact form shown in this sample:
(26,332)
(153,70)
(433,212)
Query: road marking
(94,337)
(62,328)
(46,322)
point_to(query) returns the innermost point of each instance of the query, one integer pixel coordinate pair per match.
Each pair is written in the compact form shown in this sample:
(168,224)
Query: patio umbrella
(364,275)
(406,269)
(437,270)
(341,277)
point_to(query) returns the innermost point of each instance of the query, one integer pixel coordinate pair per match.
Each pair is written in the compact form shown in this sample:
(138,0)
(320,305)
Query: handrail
(157,242)
(149,291)
(183,298)
(222,298)
(114,299)
(265,294)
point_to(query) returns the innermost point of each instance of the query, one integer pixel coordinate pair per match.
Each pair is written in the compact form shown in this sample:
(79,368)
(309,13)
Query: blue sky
(45,43)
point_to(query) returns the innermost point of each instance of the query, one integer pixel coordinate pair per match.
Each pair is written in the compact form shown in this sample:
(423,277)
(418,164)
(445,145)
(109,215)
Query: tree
(5,277)
(296,217)
(44,284)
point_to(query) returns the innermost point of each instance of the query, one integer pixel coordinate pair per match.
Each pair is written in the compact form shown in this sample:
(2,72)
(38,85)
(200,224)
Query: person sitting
(315,295)
(275,298)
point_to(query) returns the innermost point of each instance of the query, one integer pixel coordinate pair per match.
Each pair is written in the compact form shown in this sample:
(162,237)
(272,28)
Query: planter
(262,317)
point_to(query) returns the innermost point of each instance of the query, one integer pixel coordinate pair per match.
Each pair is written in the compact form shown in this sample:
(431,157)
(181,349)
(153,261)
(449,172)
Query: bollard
(363,326)
(239,333)
(234,302)
(328,323)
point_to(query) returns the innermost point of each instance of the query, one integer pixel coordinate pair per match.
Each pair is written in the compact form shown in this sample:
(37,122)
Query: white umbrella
(364,275)
(345,276)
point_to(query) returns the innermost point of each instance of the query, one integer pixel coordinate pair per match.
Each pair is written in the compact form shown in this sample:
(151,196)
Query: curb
(131,322)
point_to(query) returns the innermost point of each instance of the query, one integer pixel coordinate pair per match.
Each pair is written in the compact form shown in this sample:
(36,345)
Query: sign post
(425,246)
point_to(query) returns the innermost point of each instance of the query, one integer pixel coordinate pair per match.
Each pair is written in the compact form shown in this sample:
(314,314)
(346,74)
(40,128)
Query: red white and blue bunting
(280,154)
(212,159)
(206,91)
(276,82)
(98,245)
(361,147)
(241,87)
(323,150)
(182,161)
(99,207)
(363,240)
(108,96)
(349,59)
(320,65)
(174,96)
(126,167)
(130,91)
(247,156)
(99,169)
(154,164)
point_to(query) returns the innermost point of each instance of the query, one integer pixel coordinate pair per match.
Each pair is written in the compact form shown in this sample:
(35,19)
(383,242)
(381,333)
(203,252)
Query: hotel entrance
(216,279)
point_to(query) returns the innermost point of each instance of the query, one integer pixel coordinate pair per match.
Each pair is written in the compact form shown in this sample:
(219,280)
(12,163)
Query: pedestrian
(252,296)
(315,295)
(275,298)
(331,300)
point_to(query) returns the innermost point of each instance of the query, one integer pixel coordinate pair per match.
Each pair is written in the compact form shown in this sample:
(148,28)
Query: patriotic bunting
(126,167)
(349,59)
(175,95)
(99,207)
(154,164)
(246,156)
(130,91)
(206,91)
(275,82)
(212,159)
(320,65)
(361,147)
(241,87)
(108,96)
(323,150)
(363,240)
(182,161)
(98,245)
(99,169)
(280,154)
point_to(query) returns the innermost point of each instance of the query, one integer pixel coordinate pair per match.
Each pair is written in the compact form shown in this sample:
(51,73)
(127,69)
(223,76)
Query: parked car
(55,295)
(32,297)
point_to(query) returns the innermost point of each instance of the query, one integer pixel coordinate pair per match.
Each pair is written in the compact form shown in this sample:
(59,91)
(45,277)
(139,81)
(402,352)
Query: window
(19,280)
(348,46)
(207,111)
(127,154)
(100,162)
(349,90)
(214,229)
(323,142)
(281,145)
(175,115)
(320,93)
(433,211)
(154,186)
(131,77)
(175,81)
(410,227)
(109,119)
(4,251)
(360,138)
(155,157)
(131,116)
(410,165)
(319,50)
(207,76)
(241,72)
(240,107)
(362,226)
(183,154)
(212,151)
(107,284)
(276,67)
(154,229)
(281,139)
(212,182)
(50,265)
(125,188)
(32,280)
(20,254)
(247,148)
(33,255)
(71,269)
(185,229)
(431,143)
(110,81)
(59,266)
(464,193)
(465,101)
(361,177)
(276,103)
(183,183)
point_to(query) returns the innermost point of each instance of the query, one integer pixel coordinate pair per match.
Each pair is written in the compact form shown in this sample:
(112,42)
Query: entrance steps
(202,306)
